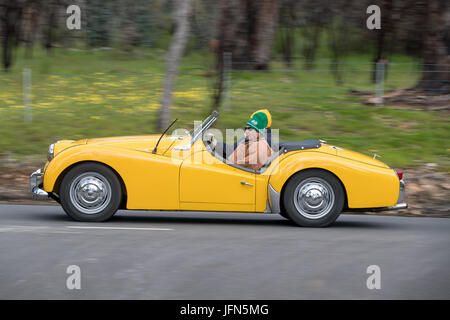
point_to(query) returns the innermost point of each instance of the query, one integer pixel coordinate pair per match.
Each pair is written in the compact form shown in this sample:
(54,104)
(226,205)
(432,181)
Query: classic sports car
(309,182)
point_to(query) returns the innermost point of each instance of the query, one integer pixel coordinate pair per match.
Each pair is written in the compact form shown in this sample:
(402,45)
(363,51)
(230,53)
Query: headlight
(50,152)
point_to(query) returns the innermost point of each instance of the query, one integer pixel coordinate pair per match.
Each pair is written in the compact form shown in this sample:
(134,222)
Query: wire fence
(128,92)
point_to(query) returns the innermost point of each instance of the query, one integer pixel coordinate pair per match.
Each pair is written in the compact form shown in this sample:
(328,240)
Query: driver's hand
(211,140)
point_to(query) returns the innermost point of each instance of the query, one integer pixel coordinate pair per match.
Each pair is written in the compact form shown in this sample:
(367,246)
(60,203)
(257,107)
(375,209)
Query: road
(181,255)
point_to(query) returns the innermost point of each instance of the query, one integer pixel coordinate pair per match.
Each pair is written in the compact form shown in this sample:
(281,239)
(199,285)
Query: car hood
(142,143)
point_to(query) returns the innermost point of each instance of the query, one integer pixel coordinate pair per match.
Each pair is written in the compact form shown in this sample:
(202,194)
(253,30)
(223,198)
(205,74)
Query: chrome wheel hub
(314,198)
(90,192)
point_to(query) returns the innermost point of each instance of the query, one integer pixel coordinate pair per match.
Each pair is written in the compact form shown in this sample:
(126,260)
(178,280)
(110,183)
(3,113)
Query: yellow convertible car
(309,182)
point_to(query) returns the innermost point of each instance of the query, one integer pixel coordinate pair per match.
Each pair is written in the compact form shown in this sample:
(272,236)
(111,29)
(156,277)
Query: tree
(246,30)
(286,29)
(99,15)
(51,23)
(10,18)
(313,19)
(265,24)
(182,10)
(436,48)
(338,31)
(30,24)
(381,50)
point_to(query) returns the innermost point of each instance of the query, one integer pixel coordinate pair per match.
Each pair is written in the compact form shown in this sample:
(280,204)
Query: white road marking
(21,228)
(45,229)
(121,228)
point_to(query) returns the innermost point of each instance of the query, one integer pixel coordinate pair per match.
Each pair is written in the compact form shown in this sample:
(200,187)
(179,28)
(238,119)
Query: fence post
(26,86)
(379,78)
(227,67)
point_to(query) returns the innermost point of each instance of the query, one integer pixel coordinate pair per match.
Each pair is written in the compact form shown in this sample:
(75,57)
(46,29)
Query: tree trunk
(51,25)
(337,31)
(386,29)
(287,44)
(436,55)
(182,10)
(311,36)
(336,43)
(264,33)
(10,19)
(246,30)
(233,37)
(30,23)
(287,13)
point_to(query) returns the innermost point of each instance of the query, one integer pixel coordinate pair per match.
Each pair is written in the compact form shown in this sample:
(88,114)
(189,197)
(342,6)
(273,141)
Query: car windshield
(198,131)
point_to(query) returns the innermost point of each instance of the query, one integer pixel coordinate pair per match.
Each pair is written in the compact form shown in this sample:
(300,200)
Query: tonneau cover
(299,145)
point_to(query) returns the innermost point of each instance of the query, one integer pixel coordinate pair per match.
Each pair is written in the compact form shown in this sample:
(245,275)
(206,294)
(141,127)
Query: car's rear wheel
(283,212)
(90,192)
(284,215)
(313,198)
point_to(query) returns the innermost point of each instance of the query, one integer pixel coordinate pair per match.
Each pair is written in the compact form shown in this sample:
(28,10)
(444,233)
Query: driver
(255,151)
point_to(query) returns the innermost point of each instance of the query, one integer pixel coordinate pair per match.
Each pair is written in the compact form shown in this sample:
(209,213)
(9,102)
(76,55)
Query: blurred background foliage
(298,58)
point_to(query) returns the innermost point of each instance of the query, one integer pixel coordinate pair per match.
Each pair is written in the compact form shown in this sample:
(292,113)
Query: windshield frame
(199,131)
(206,124)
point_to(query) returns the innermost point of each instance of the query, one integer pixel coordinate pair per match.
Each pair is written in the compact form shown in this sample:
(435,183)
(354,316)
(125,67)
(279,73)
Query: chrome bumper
(398,206)
(36,185)
(401,196)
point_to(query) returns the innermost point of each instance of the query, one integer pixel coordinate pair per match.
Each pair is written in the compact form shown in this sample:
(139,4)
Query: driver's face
(251,134)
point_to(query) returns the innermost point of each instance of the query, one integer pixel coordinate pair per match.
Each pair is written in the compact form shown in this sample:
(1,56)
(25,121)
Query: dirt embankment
(407,99)
(15,183)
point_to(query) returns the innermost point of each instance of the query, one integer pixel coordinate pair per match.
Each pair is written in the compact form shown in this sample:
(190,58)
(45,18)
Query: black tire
(284,215)
(323,199)
(283,212)
(101,185)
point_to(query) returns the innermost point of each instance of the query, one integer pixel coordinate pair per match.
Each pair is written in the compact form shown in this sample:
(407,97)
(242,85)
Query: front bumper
(36,184)
(398,206)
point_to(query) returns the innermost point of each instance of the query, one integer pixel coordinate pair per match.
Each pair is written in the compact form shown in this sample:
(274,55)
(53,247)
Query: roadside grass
(77,94)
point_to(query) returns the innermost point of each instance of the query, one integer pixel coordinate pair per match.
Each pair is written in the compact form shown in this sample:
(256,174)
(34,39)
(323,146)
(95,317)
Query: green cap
(258,122)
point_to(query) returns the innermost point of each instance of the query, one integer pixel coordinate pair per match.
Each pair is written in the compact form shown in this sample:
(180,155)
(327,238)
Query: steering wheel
(211,140)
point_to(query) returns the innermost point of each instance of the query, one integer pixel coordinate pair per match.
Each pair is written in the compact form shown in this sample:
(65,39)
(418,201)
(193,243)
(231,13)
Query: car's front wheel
(90,192)
(313,198)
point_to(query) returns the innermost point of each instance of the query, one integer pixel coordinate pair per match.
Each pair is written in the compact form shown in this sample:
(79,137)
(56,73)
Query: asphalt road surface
(180,255)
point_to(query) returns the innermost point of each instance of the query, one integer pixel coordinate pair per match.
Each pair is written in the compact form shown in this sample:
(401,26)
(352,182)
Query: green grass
(80,94)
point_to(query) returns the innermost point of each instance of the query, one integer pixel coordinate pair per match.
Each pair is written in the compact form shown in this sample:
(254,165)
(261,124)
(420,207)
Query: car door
(207,183)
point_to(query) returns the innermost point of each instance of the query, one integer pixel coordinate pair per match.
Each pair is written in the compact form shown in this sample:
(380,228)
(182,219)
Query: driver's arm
(237,154)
